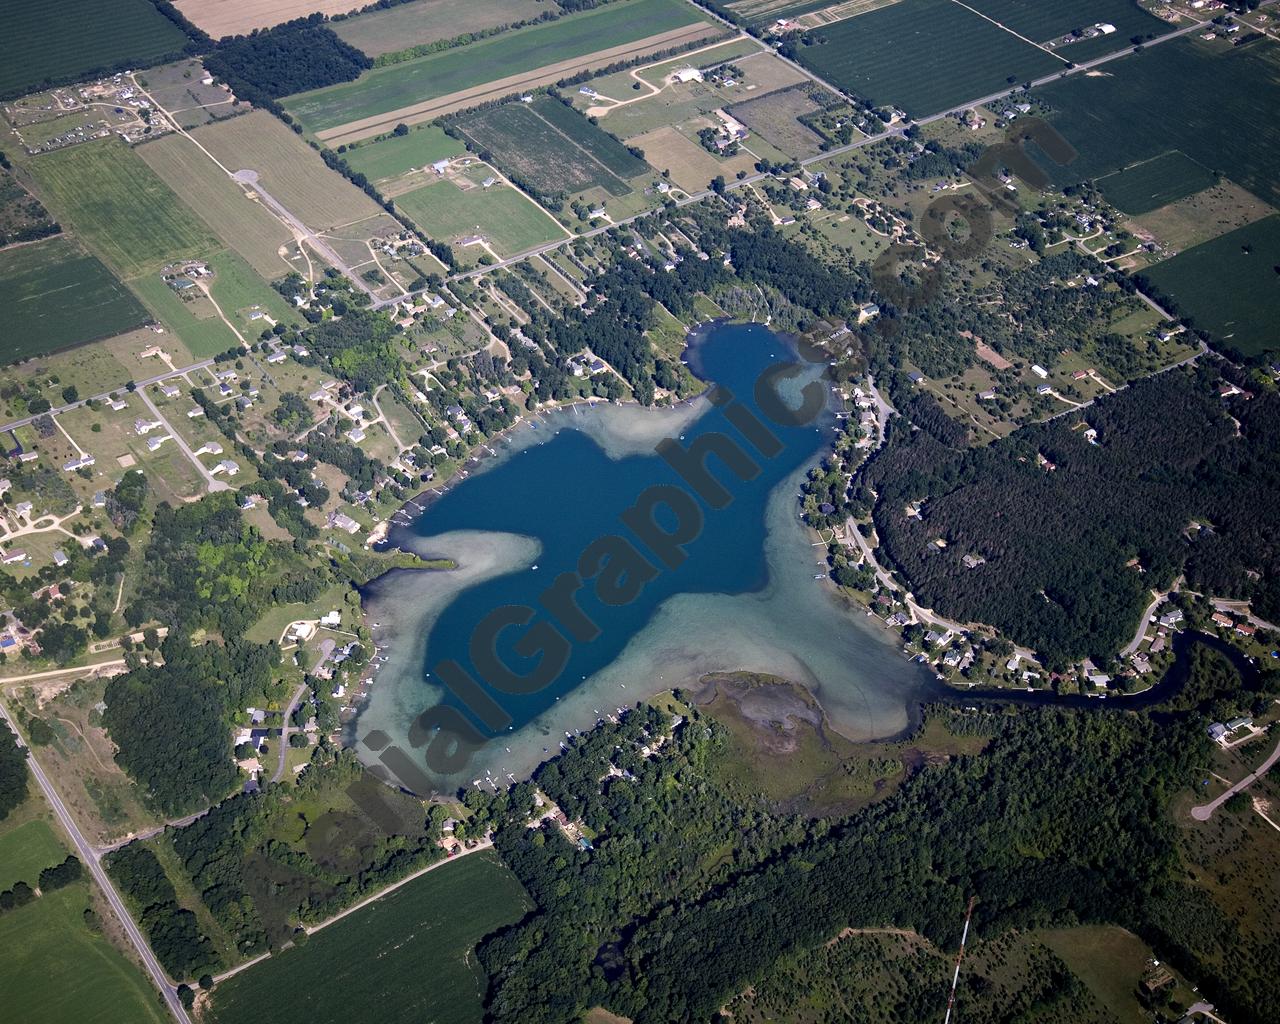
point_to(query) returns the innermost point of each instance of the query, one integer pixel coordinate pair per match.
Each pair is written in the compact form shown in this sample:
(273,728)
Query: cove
(741,596)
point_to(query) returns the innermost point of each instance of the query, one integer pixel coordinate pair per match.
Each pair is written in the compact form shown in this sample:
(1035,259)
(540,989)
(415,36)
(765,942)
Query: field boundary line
(534,78)
(1016,35)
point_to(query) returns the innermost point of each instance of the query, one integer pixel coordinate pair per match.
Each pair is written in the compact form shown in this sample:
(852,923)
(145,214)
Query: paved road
(102,397)
(1143,623)
(1205,811)
(752,179)
(284,730)
(250,178)
(91,859)
(214,483)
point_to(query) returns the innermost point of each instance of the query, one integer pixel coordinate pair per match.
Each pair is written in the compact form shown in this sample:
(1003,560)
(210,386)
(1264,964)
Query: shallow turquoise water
(742,596)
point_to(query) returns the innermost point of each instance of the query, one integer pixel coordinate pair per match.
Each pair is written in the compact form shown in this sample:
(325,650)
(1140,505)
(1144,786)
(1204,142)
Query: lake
(670,584)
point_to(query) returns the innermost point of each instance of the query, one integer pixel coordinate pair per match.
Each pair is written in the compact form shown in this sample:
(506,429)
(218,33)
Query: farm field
(690,166)
(241,223)
(26,850)
(429,21)
(1041,22)
(194,322)
(1153,183)
(1229,286)
(1226,101)
(39,45)
(55,969)
(879,56)
(239,17)
(505,217)
(765,12)
(551,147)
(382,96)
(625,112)
(55,295)
(425,930)
(288,168)
(120,208)
(1200,217)
(398,154)
(774,115)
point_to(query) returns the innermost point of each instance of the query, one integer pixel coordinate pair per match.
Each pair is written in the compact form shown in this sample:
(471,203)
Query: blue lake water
(743,595)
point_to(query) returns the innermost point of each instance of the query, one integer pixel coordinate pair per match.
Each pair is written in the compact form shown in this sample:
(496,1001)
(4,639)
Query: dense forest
(172,930)
(1062,819)
(13,772)
(1060,520)
(299,55)
(207,576)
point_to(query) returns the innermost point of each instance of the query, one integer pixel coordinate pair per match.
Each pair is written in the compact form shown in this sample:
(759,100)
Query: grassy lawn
(508,220)
(120,208)
(42,42)
(195,323)
(425,930)
(27,850)
(55,295)
(397,154)
(273,623)
(1111,961)
(55,969)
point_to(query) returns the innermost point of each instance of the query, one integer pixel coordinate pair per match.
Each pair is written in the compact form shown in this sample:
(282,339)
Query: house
(277,357)
(686,75)
(1044,389)
(440,166)
(1242,722)
(169,391)
(99,499)
(1080,375)
(973,561)
(154,443)
(356,434)
(13,557)
(1225,621)
(488,182)
(342,521)
(1244,629)
(1039,371)
(195,412)
(79,462)
(1171,619)
(868,311)
(28,456)
(915,378)
(142,426)
(210,448)
(23,508)
(227,466)
(1091,435)
(115,405)
(60,558)
(987,396)
(1228,390)
(225,390)
(333,618)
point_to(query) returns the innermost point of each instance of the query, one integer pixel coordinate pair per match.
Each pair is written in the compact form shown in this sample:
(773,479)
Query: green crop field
(448,71)
(396,154)
(506,218)
(1218,107)
(45,42)
(1230,286)
(56,970)
(1043,22)
(553,156)
(923,56)
(765,12)
(1155,183)
(120,208)
(27,850)
(54,295)
(408,956)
